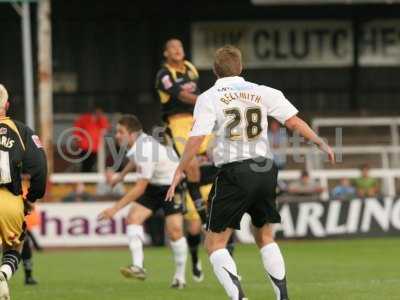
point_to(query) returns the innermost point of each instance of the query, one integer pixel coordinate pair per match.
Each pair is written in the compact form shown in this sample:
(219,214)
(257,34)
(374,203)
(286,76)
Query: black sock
(26,250)
(12,259)
(28,268)
(199,203)
(194,243)
(26,256)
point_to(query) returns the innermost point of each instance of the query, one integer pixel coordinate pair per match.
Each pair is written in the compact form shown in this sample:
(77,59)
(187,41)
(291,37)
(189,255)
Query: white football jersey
(237,110)
(155,162)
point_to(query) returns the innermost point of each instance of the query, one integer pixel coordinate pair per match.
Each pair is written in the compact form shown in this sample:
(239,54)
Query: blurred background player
(177,87)
(20,152)
(155,169)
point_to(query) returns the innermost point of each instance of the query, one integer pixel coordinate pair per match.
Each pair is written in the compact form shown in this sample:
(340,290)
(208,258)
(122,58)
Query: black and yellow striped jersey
(170,82)
(21,152)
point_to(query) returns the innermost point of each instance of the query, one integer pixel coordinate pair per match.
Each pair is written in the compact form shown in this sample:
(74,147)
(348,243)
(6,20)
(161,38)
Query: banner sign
(76,224)
(334,219)
(298,43)
(380,43)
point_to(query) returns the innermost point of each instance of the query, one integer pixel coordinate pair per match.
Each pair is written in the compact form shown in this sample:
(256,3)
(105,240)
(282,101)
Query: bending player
(247,178)
(177,87)
(155,167)
(20,152)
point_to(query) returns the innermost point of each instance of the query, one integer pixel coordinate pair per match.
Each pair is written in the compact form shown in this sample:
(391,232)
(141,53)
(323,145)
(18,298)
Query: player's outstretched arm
(134,194)
(116,178)
(130,167)
(296,124)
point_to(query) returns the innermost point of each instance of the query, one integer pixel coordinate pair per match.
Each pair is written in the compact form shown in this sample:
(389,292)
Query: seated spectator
(103,188)
(305,186)
(79,194)
(366,186)
(343,191)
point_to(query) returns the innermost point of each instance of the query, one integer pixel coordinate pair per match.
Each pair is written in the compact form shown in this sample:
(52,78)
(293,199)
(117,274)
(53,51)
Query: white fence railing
(392,122)
(388,177)
(312,157)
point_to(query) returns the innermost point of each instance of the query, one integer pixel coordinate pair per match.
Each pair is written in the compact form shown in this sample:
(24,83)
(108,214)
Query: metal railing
(392,122)
(313,156)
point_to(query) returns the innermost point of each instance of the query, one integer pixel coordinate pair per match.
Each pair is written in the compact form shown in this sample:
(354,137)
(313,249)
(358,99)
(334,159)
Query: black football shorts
(240,187)
(154,199)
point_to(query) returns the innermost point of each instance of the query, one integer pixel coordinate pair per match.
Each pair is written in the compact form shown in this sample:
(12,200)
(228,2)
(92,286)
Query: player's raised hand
(331,156)
(178,176)
(328,150)
(107,214)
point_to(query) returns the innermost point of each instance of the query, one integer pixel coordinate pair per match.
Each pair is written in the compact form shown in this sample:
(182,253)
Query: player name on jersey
(6,142)
(228,97)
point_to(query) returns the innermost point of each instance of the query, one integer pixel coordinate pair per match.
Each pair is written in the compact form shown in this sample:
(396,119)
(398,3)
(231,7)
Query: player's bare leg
(9,265)
(273,260)
(174,229)
(223,264)
(137,215)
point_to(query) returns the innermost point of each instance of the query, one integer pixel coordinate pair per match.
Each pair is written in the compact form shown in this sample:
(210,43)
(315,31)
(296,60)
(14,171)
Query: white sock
(6,269)
(275,266)
(180,250)
(135,236)
(223,263)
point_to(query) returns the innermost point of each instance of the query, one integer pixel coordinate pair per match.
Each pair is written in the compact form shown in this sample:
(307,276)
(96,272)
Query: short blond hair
(228,61)
(3,96)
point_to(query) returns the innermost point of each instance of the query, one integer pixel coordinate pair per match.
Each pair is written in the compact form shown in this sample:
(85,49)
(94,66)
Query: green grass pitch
(349,269)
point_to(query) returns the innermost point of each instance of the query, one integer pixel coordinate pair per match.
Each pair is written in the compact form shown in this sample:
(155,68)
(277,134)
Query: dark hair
(228,61)
(131,122)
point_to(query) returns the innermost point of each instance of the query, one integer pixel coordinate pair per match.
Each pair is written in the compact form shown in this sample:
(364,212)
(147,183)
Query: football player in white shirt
(155,166)
(237,110)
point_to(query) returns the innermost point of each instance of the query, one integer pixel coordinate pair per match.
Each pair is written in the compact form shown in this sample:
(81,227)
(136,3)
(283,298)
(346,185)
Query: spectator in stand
(305,186)
(277,140)
(344,190)
(89,132)
(366,186)
(104,189)
(79,194)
